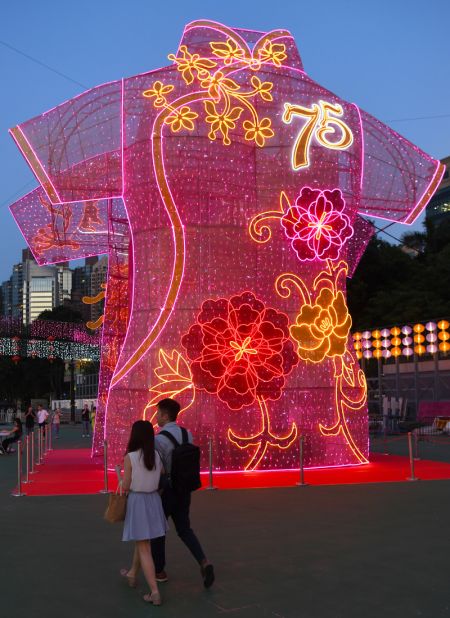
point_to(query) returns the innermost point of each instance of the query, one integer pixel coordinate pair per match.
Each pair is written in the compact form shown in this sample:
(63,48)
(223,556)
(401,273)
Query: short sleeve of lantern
(75,149)
(398,178)
(68,231)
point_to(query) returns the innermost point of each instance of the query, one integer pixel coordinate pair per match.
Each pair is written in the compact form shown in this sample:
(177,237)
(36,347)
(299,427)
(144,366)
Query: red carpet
(73,472)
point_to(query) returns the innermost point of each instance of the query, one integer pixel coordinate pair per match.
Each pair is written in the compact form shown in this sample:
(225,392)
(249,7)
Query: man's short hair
(170,407)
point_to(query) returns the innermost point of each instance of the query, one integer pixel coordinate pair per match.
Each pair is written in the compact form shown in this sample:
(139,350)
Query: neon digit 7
(300,152)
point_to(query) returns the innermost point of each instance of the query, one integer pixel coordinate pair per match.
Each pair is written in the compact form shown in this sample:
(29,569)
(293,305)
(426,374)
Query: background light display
(226,190)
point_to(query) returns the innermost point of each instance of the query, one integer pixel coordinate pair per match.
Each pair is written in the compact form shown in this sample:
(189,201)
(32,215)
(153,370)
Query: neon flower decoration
(317,225)
(165,172)
(322,329)
(240,350)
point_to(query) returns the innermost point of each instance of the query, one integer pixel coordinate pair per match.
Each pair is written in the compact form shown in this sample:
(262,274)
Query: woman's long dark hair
(143,437)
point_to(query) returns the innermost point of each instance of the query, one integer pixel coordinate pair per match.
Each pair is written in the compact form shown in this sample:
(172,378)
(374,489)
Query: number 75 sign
(323,122)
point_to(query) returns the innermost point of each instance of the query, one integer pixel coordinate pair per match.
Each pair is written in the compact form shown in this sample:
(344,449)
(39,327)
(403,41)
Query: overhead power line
(42,64)
(419,118)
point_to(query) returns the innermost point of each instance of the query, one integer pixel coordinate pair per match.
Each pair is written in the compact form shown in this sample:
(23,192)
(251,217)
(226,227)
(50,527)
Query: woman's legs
(148,567)
(136,564)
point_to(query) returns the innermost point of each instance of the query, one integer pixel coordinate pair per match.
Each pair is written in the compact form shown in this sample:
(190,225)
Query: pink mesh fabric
(241,227)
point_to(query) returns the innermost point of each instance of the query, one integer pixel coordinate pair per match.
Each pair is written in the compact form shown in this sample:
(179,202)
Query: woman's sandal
(132,581)
(154,598)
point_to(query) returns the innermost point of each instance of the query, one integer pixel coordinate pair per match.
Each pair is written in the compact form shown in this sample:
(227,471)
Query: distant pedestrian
(30,417)
(42,416)
(176,501)
(85,420)
(92,418)
(14,436)
(56,421)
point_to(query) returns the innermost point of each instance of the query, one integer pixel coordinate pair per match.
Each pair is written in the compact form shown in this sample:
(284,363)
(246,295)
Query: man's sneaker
(208,575)
(161,577)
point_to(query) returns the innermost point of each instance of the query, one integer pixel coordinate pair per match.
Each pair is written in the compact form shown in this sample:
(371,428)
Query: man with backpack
(181,459)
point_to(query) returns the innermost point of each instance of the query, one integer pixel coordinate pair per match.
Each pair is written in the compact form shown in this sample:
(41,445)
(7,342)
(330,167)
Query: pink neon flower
(317,225)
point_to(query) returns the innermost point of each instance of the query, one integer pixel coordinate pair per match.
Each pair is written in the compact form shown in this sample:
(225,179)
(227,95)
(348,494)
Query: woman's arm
(126,482)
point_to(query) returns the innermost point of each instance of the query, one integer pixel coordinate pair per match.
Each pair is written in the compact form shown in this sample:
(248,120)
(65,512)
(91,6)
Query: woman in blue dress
(145,519)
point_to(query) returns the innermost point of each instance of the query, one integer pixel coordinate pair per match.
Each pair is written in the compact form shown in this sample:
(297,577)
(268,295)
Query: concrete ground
(355,551)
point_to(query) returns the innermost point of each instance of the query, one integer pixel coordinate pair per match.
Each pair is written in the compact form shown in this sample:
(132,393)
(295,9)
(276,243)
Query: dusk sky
(390,57)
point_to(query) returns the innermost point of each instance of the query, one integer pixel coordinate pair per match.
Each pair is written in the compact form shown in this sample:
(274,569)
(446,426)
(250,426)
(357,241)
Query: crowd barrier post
(27,460)
(301,466)
(50,434)
(32,452)
(210,465)
(105,489)
(42,443)
(39,445)
(46,435)
(411,458)
(18,491)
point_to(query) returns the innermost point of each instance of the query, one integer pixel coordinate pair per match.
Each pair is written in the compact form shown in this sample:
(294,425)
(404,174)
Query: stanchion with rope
(210,465)
(105,489)
(301,467)
(411,458)
(19,491)
(50,434)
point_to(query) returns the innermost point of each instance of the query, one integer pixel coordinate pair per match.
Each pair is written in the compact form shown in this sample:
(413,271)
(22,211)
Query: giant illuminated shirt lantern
(227,190)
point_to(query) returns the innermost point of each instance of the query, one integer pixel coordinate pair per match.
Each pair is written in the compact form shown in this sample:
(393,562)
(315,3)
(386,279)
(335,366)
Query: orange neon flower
(188,63)
(322,329)
(274,52)
(214,83)
(220,121)
(229,51)
(181,119)
(159,91)
(258,131)
(263,88)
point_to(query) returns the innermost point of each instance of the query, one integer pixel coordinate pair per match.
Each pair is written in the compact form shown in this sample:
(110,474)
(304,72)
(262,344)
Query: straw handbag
(117,506)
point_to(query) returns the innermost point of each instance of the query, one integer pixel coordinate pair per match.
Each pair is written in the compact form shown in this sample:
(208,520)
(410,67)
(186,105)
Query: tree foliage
(391,286)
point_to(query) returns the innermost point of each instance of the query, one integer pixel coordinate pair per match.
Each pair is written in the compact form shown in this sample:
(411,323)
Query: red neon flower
(316,224)
(240,350)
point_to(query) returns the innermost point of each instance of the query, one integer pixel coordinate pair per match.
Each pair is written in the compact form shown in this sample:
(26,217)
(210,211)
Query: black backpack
(185,474)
